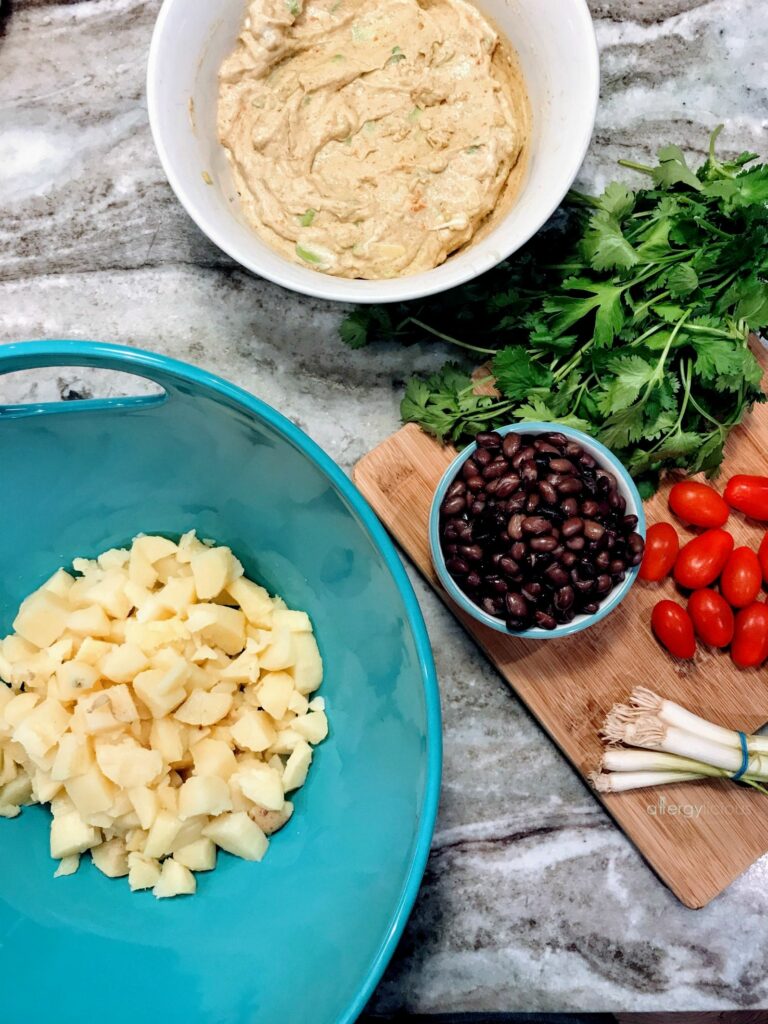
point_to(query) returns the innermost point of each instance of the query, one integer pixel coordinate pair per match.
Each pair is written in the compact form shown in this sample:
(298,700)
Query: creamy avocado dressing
(370,138)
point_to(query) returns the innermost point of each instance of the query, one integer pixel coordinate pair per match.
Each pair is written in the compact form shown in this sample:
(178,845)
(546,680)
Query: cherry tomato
(742,578)
(750,636)
(712,617)
(702,559)
(748,494)
(674,629)
(661,548)
(697,504)
(762,557)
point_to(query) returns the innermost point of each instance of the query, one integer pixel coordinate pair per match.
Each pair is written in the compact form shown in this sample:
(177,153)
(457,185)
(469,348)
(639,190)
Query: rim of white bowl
(580,622)
(402,289)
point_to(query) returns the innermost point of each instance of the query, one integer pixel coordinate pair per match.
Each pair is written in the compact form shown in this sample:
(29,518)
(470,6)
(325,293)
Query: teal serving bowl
(303,937)
(627,488)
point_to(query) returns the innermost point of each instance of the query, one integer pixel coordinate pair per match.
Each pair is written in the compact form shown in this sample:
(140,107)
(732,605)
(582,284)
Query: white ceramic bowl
(556,45)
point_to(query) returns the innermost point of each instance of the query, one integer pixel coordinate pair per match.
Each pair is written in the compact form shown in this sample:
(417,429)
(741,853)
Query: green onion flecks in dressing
(370,138)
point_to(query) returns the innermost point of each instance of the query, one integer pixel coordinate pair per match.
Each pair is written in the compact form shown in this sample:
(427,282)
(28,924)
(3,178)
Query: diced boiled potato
(237,834)
(279,653)
(314,726)
(137,594)
(160,690)
(164,830)
(274,693)
(9,810)
(175,880)
(286,742)
(189,545)
(111,858)
(73,757)
(109,592)
(60,583)
(218,625)
(42,618)
(168,796)
(70,835)
(18,791)
(145,803)
(211,571)
(143,872)
(297,766)
(67,866)
(115,558)
(127,763)
(141,572)
(169,567)
(178,594)
(153,548)
(92,651)
(244,668)
(89,621)
(44,788)
(202,708)
(308,666)
(123,663)
(254,601)
(75,677)
(253,731)
(203,794)
(214,757)
(261,784)
(93,713)
(168,737)
(294,622)
(199,855)
(298,703)
(45,724)
(190,831)
(91,793)
(317,704)
(123,705)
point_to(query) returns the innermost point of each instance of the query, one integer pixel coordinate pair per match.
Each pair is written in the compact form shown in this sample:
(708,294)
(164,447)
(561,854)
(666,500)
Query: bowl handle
(32,355)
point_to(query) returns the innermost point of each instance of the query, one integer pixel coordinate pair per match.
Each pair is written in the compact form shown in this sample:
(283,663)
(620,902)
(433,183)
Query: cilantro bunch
(630,320)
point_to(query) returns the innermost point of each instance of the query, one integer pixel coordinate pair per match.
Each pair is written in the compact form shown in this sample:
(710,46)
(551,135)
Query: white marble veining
(532,900)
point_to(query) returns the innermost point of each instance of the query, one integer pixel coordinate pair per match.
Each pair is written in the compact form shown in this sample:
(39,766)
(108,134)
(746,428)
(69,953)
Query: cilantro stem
(634,166)
(447,337)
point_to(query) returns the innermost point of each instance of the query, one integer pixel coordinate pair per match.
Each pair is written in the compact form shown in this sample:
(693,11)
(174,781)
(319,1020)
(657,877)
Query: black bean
(494,470)
(542,445)
(475,483)
(451,530)
(636,558)
(569,559)
(584,586)
(629,523)
(562,466)
(509,566)
(572,526)
(472,552)
(515,526)
(603,583)
(469,469)
(557,439)
(547,492)
(473,580)
(566,616)
(575,543)
(510,444)
(564,598)
(619,577)
(457,566)
(491,486)
(556,575)
(617,502)
(573,448)
(492,605)
(603,560)
(555,479)
(571,485)
(635,542)
(507,485)
(591,608)
(569,507)
(477,507)
(517,551)
(590,508)
(521,456)
(488,440)
(540,544)
(516,502)
(457,487)
(515,625)
(544,620)
(497,584)
(451,506)
(587,461)
(516,605)
(464,530)
(528,472)
(482,457)
(533,591)
(593,530)
(532,503)
(535,525)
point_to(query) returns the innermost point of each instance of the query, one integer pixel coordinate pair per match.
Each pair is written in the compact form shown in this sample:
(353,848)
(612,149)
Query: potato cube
(274,693)
(123,705)
(314,726)
(93,713)
(261,784)
(75,677)
(42,618)
(294,622)
(308,666)
(111,858)
(218,625)
(128,764)
(168,795)
(141,572)
(67,866)
(213,757)
(109,592)
(71,835)
(44,788)
(18,791)
(244,668)
(160,690)
(254,731)
(175,880)
(168,737)
(73,757)
(153,548)
(286,742)
(164,830)
(199,855)
(60,583)
(177,594)
(42,727)
(279,653)
(237,834)
(145,803)
(89,621)
(123,663)
(254,601)
(202,708)
(297,766)
(190,831)
(203,794)
(91,793)
(211,571)
(143,872)
(298,703)
(92,651)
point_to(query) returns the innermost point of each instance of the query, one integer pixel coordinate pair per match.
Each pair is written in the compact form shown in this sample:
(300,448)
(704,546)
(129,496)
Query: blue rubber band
(744,758)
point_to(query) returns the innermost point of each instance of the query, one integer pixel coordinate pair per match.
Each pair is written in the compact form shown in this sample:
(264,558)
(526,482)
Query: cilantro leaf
(629,375)
(517,374)
(682,279)
(605,247)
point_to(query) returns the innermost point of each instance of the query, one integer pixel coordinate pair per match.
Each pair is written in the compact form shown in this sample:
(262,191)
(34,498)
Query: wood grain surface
(699,836)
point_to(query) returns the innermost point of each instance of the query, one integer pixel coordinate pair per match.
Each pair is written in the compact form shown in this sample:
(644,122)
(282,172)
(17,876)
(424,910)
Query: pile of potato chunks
(158,700)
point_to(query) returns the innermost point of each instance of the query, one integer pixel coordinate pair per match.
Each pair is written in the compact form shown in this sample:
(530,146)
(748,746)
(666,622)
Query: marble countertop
(533,900)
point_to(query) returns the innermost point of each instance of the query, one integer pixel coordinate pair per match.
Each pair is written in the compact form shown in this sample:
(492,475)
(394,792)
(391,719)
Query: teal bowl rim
(581,622)
(28,355)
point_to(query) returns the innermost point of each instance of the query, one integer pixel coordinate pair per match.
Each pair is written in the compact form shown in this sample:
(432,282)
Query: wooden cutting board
(699,836)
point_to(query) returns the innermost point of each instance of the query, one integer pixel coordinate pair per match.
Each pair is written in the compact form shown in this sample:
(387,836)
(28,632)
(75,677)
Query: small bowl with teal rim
(547,544)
